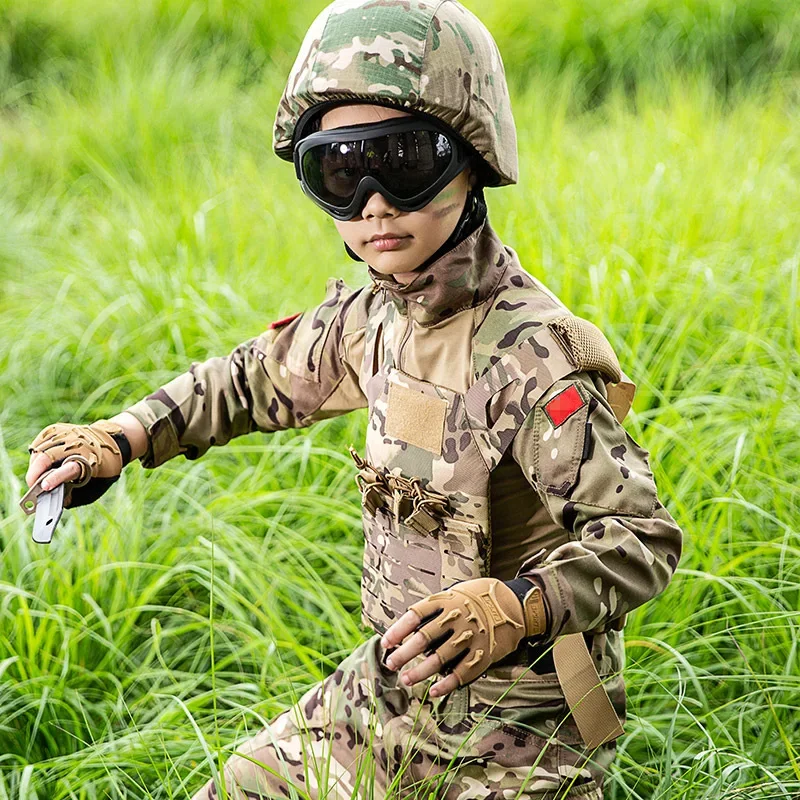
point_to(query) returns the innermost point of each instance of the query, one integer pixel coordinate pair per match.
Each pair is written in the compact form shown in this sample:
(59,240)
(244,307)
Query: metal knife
(48,507)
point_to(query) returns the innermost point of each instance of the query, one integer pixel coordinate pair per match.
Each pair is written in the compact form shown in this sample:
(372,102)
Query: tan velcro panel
(416,418)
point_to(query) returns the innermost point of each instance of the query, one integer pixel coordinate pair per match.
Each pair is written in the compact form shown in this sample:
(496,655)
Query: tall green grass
(144,223)
(602,43)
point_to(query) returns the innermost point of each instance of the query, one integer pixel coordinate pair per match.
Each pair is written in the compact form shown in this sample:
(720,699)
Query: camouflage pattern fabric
(603,495)
(461,369)
(434,57)
(363,734)
(288,377)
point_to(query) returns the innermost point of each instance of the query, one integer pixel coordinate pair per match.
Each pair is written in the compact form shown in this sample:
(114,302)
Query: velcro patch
(279,323)
(564,405)
(416,418)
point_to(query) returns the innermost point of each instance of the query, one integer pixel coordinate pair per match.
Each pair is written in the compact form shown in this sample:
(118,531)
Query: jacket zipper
(406,337)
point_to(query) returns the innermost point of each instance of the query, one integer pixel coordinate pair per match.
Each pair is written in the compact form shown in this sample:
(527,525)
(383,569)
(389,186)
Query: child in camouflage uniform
(510,521)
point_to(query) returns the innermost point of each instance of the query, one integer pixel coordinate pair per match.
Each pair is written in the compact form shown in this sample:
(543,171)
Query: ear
(473,178)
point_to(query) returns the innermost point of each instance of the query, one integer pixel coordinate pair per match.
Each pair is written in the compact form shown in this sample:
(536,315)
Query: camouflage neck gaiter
(461,278)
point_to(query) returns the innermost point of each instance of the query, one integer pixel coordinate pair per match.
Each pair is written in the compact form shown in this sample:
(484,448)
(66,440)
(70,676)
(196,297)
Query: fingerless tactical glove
(101,449)
(482,619)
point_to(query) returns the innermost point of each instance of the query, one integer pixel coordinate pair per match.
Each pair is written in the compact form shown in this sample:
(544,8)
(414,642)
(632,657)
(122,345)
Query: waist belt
(586,697)
(539,657)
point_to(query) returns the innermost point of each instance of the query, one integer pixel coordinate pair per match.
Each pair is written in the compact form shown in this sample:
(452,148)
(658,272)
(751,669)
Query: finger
(430,666)
(39,463)
(400,629)
(469,667)
(445,686)
(68,472)
(454,648)
(408,650)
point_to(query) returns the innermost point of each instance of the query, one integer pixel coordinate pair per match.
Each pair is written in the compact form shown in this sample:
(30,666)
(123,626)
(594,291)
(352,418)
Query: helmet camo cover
(429,56)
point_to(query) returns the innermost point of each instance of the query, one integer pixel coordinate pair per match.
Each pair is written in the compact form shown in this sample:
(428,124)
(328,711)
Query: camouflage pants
(363,734)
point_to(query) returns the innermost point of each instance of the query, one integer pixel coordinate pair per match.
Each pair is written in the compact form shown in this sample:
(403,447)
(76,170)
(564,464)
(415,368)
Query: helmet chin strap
(351,253)
(472,217)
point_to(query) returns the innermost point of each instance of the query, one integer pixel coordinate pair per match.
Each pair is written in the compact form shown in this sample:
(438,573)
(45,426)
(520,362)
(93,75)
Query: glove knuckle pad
(85,444)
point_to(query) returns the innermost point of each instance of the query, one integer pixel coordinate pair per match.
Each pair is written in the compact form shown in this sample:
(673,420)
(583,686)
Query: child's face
(419,233)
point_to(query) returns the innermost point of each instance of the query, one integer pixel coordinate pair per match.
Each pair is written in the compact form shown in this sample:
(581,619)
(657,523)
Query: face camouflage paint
(409,161)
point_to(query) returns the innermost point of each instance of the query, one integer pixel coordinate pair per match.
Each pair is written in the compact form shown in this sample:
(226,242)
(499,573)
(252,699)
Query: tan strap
(586,696)
(620,396)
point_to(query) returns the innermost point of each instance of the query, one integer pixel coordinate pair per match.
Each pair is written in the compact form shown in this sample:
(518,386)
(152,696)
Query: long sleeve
(595,482)
(297,372)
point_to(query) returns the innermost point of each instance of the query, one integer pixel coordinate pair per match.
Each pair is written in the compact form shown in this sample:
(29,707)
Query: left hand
(471,625)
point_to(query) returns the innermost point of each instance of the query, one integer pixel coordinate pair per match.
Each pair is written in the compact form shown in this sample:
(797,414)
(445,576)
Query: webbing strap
(620,396)
(586,696)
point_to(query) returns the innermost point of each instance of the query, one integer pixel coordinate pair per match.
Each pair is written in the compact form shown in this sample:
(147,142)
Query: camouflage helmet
(432,57)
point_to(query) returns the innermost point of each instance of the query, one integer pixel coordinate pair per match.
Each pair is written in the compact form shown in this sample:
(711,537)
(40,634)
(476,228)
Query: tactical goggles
(408,161)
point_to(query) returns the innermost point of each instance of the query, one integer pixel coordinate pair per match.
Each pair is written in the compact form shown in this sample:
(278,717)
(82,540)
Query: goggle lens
(406,164)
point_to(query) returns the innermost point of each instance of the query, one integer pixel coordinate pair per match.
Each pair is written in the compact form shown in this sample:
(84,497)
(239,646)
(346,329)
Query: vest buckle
(421,521)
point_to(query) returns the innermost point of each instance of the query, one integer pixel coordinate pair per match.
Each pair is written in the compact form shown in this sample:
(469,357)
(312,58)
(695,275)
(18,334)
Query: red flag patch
(279,323)
(564,405)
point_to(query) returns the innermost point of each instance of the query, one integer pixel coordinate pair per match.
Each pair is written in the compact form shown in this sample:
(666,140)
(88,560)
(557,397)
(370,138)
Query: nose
(378,207)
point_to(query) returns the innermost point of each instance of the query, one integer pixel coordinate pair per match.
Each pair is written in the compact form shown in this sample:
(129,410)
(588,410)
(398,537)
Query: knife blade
(48,507)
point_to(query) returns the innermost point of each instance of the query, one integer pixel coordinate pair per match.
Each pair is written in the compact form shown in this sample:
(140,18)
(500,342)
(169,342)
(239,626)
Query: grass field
(144,223)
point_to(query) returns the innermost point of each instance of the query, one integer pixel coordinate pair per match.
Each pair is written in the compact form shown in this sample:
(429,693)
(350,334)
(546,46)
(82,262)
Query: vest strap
(586,696)
(620,396)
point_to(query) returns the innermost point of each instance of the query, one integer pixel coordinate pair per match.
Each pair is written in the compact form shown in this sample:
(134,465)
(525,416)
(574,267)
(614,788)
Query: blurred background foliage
(145,223)
(600,41)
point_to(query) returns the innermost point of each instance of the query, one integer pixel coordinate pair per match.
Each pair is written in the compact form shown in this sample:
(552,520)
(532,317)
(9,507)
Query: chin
(396,270)
(390,266)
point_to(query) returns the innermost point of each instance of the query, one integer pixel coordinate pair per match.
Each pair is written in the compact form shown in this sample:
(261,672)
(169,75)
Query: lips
(384,242)
(379,236)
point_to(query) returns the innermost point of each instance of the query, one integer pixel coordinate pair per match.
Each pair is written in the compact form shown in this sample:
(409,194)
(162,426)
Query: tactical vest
(425,476)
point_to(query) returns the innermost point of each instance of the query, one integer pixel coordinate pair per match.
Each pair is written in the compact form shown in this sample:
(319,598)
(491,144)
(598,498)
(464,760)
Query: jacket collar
(463,277)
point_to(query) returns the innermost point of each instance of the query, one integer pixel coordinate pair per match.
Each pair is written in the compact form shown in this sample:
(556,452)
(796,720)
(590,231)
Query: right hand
(98,459)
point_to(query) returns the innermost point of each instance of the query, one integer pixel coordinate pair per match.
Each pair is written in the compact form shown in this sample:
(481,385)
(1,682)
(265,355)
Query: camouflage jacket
(494,445)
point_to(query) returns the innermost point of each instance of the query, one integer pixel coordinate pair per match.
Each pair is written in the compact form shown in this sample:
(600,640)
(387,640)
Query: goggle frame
(459,160)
